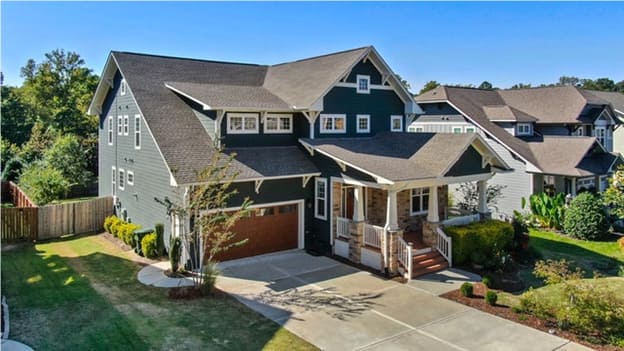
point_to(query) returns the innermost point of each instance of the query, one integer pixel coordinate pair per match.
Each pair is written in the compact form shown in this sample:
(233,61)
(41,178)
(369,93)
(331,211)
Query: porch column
(358,204)
(482,189)
(392,220)
(573,190)
(433,213)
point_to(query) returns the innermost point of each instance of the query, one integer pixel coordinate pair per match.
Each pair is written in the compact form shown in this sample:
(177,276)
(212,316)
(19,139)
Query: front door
(348,200)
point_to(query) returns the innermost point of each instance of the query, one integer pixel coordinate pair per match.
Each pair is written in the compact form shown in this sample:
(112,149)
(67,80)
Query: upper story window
(524,129)
(457,130)
(119,125)
(363,123)
(123,87)
(122,179)
(469,129)
(130,178)
(396,123)
(137,131)
(363,84)
(333,124)
(278,124)
(415,129)
(580,131)
(320,198)
(242,123)
(110,130)
(126,126)
(419,201)
(601,135)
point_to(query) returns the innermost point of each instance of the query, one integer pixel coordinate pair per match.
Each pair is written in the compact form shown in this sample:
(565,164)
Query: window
(333,124)
(363,123)
(242,123)
(601,135)
(320,198)
(278,124)
(396,123)
(110,130)
(121,179)
(122,87)
(126,126)
(119,125)
(130,178)
(524,129)
(580,131)
(457,130)
(469,129)
(137,131)
(363,84)
(113,180)
(420,201)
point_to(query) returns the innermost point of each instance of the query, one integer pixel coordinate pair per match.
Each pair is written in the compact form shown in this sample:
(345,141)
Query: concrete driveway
(338,307)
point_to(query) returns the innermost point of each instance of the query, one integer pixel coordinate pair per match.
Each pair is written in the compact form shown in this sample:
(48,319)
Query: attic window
(524,129)
(363,84)
(242,123)
(122,88)
(396,123)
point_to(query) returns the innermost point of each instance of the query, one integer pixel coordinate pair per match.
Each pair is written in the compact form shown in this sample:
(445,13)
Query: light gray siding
(151,175)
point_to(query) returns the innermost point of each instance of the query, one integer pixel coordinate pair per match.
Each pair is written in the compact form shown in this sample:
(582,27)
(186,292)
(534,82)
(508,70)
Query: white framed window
(320,198)
(415,129)
(275,124)
(580,131)
(113,180)
(130,178)
(458,130)
(110,130)
(122,175)
(119,125)
(242,123)
(419,201)
(137,131)
(396,123)
(126,125)
(122,87)
(524,129)
(333,124)
(469,129)
(601,135)
(363,123)
(363,84)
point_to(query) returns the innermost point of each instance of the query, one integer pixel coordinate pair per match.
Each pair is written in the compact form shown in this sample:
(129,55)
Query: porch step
(428,263)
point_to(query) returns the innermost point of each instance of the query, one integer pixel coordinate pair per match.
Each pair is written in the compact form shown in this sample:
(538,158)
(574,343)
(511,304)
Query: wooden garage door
(267,229)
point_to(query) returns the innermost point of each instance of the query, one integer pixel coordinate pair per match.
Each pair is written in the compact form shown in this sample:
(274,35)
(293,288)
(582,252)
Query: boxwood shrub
(585,218)
(485,237)
(149,245)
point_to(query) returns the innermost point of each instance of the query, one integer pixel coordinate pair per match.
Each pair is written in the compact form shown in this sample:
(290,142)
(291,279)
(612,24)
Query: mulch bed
(548,326)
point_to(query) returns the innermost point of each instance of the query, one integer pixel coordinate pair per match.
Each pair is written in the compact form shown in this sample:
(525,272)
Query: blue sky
(504,43)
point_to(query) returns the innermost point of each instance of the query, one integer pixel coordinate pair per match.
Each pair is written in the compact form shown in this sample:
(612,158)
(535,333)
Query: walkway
(154,274)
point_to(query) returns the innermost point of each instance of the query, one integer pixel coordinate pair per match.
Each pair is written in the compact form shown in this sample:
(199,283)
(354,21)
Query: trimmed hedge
(121,229)
(149,245)
(486,238)
(585,218)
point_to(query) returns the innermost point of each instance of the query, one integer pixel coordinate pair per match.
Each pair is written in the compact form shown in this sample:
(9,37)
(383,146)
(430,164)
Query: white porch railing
(444,245)
(343,228)
(373,235)
(462,220)
(404,255)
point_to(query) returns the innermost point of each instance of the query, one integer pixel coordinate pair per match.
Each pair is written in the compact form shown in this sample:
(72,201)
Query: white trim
(357,84)
(123,88)
(137,132)
(317,181)
(279,129)
(243,180)
(371,86)
(204,106)
(122,179)
(333,117)
(110,130)
(128,174)
(394,118)
(422,203)
(119,125)
(243,117)
(126,126)
(357,123)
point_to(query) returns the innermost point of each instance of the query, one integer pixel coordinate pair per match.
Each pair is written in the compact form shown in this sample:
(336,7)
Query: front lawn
(82,293)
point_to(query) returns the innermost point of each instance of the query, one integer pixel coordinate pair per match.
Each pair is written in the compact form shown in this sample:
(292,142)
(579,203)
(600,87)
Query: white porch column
(312,130)
(573,190)
(358,204)
(392,219)
(433,214)
(482,189)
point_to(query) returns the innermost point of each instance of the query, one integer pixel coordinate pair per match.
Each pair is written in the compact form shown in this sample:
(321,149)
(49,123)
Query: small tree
(469,195)
(585,218)
(68,156)
(43,183)
(613,197)
(211,225)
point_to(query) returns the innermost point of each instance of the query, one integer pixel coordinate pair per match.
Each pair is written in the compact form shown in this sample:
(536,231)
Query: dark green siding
(468,164)
(365,68)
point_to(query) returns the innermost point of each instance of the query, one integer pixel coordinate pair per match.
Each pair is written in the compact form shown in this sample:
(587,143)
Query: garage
(268,229)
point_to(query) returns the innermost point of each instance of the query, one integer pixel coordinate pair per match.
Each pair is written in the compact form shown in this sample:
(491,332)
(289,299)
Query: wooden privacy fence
(53,221)
(10,191)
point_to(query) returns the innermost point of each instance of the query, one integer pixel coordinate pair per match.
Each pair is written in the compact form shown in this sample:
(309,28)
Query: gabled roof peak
(369,47)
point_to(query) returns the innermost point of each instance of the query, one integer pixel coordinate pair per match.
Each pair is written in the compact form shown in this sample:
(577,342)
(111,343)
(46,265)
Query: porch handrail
(373,235)
(343,227)
(444,245)
(404,255)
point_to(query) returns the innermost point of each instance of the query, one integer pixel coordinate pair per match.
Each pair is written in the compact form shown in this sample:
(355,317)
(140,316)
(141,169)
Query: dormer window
(524,129)
(122,87)
(363,84)
(242,123)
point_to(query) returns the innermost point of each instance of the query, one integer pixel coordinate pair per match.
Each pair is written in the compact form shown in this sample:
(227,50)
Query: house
(555,139)
(320,146)
(617,102)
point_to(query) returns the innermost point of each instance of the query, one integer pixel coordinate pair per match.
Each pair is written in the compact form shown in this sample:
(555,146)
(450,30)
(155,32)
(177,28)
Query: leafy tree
(7,152)
(469,195)
(404,82)
(613,196)
(569,80)
(521,86)
(603,84)
(17,118)
(67,155)
(486,85)
(430,85)
(43,183)
(619,87)
(12,169)
(41,139)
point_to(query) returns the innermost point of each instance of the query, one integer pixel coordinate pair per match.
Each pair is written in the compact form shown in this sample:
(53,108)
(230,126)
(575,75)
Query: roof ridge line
(319,56)
(186,58)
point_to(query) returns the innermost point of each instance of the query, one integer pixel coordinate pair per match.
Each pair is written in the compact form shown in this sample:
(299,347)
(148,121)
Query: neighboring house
(617,102)
(320,145)
(556,139)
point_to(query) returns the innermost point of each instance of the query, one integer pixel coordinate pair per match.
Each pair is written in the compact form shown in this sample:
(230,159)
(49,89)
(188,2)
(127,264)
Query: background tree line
(49,142)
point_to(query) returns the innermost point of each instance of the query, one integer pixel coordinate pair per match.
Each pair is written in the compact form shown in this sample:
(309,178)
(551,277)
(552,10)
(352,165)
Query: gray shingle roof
(615,99)
(276,161)
(504,113)
(398,156)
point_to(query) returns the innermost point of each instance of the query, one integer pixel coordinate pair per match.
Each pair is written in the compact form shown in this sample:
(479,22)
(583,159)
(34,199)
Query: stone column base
(356,241)
(393,260)
(429,233)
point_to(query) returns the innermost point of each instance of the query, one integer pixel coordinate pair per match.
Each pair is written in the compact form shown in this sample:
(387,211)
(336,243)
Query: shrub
(211,272)
(487,281)
(43,183)
(175,251)
(126,232)
(159,229)
(149,245)
(115,226)
(585,218)
(12,169)
(486,237)
(466,289)
(548,210)
(491,297)
(108,223)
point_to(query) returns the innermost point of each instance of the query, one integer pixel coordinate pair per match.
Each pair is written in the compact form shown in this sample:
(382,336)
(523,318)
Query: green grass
(82,293)
(73,199)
